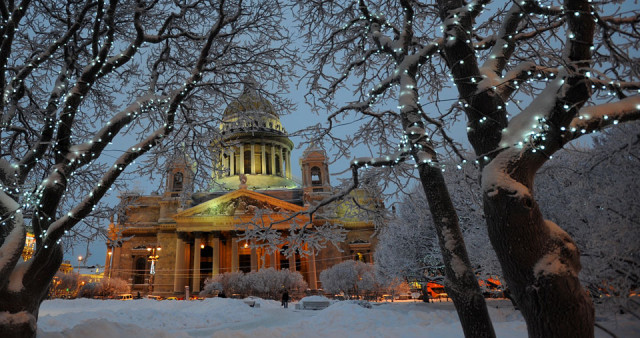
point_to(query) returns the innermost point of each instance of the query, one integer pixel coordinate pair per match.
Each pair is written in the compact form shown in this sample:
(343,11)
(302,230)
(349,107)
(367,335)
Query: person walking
(285,299)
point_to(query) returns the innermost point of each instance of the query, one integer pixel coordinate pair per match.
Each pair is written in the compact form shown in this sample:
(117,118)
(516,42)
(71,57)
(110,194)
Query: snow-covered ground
(222,317)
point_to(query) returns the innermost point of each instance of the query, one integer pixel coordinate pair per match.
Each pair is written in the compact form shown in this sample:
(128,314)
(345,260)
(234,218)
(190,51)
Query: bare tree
(88,87)
(530,77)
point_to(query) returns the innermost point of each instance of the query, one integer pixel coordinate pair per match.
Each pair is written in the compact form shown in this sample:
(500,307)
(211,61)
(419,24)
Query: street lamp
(153,257)
(110,253)
(79,260)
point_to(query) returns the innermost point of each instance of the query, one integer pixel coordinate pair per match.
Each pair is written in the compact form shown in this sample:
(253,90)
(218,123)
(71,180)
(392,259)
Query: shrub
(266,283)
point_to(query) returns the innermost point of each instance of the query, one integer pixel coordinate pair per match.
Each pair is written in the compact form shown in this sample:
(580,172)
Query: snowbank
(223,317)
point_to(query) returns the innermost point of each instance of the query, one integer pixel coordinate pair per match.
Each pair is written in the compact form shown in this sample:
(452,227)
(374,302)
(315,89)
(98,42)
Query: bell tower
(178,176)
(315,171)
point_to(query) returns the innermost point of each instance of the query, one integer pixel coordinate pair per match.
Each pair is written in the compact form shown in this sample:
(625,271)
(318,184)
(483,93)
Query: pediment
(238,203)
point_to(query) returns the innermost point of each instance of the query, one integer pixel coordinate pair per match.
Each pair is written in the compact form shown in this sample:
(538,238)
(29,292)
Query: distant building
(158,247)
(29,246)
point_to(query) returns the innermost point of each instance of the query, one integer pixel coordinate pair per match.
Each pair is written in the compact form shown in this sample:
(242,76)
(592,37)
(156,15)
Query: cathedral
(161,248)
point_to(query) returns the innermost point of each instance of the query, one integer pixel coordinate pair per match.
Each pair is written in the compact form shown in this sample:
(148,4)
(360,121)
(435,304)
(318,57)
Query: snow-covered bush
(353,278)
(74,285)
(114,286)
(228,283)
(90,290)
(265,283)
(107,287)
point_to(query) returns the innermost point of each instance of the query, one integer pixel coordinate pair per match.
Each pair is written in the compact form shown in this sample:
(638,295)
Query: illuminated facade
(187,246)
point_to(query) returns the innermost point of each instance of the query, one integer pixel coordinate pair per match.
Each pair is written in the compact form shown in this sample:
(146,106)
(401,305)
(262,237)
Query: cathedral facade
(163,249)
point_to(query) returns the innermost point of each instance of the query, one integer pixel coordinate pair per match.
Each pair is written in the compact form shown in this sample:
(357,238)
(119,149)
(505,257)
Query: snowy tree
(350,277)
(88,87)
(530,77)
(605,225)
(407,247)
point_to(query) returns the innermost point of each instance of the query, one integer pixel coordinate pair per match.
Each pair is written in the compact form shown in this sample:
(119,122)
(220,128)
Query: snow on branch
(532,121)
(519,74)
(594,118)
(503,47)
(613,86)
(57,228)
(40,58)
(28,162)
(84,83)
(117,61)
(406,36)
(14,233)
(469,11)
(8,30)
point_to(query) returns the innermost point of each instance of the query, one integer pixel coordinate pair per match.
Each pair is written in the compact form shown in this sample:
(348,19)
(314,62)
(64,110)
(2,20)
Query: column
(196,264)
(234,254)
(115,267)
(241,160)
(280,163)
(232,163)
(253,158)
(292,263)
(254,259)
(305,175)
(222,166)
(178,278)
(263,159)
(273,159)
(215,242)
(313,283)
(288,159)
(274,256)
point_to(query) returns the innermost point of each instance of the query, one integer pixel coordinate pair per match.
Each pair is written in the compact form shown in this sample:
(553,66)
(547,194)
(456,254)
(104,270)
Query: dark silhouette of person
(285,299)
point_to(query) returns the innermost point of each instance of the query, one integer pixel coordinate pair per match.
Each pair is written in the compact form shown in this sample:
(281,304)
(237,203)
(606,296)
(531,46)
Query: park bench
(314,304)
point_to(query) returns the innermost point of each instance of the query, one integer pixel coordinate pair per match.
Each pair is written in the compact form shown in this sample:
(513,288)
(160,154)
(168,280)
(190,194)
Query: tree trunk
(460,283)
(540,263)
(19,310)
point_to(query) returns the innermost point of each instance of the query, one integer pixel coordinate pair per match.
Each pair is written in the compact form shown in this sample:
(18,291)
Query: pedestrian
(285,299)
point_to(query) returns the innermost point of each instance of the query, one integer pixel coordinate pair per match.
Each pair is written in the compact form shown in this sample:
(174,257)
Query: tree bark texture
(461,283)
(24,305)
(540,263)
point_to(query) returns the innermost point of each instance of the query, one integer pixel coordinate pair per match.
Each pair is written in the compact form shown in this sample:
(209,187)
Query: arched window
(140,270)
(316,176)
(178,181)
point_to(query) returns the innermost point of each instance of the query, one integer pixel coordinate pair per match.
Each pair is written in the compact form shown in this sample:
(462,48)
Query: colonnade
(270,158)
(188,258)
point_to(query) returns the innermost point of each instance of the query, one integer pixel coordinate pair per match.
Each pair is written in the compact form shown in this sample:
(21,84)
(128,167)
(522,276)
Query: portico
(209,243)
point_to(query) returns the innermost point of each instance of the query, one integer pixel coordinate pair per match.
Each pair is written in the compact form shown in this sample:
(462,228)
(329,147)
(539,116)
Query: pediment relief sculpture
(236,207)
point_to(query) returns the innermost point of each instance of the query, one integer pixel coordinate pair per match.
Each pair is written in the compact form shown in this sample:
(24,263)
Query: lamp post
(79,260)
(153,257)
(110,253)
